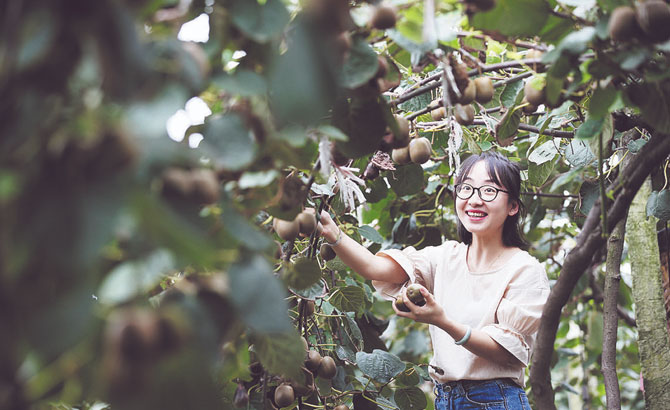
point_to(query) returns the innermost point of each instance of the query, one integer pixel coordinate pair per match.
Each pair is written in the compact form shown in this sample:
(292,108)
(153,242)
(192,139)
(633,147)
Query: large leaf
(601,100)
(370,233)
(280,353)
(653,99)
(544,152)
(508,126)
(407,179)
(380,365)
(590,128)
(237,226)
(514,17)
(538,174)
(348,299)
(578,153)
(271,315)
(410,398)
(509,93)
(229,142)
(361,64)
(260,22)
(243,82)
(302,274)
(659,204)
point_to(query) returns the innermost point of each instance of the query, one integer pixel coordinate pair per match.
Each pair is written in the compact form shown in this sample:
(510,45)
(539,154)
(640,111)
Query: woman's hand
(330,230)
(430,313)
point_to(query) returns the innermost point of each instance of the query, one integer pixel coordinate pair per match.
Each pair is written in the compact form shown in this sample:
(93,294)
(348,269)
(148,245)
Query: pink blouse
(506,303)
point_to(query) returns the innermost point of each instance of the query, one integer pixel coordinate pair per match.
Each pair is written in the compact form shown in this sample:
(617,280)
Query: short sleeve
(518,319)
(419,265)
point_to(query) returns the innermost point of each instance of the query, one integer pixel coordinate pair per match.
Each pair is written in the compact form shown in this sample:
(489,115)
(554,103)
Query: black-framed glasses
(487,193)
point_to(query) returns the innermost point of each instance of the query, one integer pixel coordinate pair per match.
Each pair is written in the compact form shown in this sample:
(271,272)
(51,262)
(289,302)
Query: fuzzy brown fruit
(485,89)
(653,16)
(327,252)
(284,395)
(306,306)
(371,172)
(468,95)
(420,150)
(205,186)
(623,25)
(341,407)
(402,139)
(382,67)
(306,386)
(438,113)
(464,114)
(413,292)
(384,17)
(327,368)
(528,108)
(313,360)
(533,95)
(304,343)
(306,222)
(287,230)
(400,304)
(401,155)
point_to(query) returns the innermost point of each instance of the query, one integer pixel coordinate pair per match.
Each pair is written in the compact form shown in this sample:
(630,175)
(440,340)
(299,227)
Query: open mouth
(476,214)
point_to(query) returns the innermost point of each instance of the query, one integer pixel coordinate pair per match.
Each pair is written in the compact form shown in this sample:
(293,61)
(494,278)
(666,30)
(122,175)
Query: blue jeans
(496,394)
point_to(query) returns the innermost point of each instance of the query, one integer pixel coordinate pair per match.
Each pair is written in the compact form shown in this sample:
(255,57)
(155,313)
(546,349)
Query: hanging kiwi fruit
(468,95)
(284,395)
(313,360)
(653,17)
(484,89)
(464,114)
(306,222)
(327,368)
(287,230)
(622,25)
(534,91)
(401,155)
(341,407)
(528,108)
(402,139)
(419,150)
(383,17)
(327,252)
(438,113)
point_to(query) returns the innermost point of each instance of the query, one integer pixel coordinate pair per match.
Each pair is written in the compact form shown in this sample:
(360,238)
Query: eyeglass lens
(486,192)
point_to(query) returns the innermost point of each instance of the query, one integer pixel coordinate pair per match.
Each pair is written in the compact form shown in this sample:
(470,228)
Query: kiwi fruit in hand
(413,292)
(400,304)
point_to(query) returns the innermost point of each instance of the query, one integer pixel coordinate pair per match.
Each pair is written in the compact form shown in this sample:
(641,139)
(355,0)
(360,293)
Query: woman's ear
(513,209)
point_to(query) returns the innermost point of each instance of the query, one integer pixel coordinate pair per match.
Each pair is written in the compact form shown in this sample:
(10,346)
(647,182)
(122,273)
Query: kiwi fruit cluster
(305,223)
(648,21)
(198,185)
(413,293)
(418,151)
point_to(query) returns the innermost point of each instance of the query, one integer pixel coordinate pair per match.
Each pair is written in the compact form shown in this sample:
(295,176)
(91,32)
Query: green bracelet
(466,337)
(337,241)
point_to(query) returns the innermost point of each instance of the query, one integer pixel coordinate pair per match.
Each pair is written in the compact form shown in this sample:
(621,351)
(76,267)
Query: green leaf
(281,353)
(354,332)
(653,99)
(334,133)
(344,353)
(601,100)
(303,273)
(410,398)
(594,340)
(229,142)
(553,90)
(370,233)
(577,42)
(514,18)
(361,65)
(348,299)
(260,22)
(239,228)
(270,316)
(317,290)
(538,174)
(578,153)
(379,365)
(509,93)
(134,278)
(651,203)
(543,153)
(243,82)
(407,179)
(590,128)
(636,145)
(589,193)
(410,377)
(378,191)
(662,206)
(508,126)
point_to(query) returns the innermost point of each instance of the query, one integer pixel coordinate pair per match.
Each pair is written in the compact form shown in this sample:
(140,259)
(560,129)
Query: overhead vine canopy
(148,271)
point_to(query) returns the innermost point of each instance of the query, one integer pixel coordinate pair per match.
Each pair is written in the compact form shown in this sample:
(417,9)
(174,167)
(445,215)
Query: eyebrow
(490,181)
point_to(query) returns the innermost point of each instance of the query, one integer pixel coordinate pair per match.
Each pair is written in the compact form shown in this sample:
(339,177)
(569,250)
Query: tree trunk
(653,340)
(610,315)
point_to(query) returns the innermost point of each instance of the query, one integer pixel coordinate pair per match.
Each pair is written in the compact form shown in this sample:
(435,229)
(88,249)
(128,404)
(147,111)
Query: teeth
(476,213)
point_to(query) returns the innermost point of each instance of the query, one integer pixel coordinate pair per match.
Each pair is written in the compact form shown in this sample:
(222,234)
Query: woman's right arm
(359,258)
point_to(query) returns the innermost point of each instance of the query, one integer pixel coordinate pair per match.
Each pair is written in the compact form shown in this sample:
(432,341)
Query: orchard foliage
(144,273)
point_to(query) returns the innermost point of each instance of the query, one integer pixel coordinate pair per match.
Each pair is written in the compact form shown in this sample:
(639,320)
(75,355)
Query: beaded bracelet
(466,337)
(337,241)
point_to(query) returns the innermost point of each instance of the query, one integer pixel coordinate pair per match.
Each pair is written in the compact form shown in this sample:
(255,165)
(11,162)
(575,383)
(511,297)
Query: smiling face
(484,219)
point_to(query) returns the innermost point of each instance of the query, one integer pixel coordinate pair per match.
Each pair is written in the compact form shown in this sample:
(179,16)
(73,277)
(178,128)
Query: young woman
(484,295)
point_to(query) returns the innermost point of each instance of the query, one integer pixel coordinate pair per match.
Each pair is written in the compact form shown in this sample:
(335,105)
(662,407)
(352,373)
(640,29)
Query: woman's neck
(484,255)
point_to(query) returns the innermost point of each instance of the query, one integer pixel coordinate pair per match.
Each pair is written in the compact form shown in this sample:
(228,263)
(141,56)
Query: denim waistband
(460,387)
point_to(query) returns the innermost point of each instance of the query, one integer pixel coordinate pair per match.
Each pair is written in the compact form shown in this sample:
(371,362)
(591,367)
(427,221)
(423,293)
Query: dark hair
(504,173)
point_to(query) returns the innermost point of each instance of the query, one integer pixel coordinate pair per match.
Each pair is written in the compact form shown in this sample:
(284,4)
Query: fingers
(325,218)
